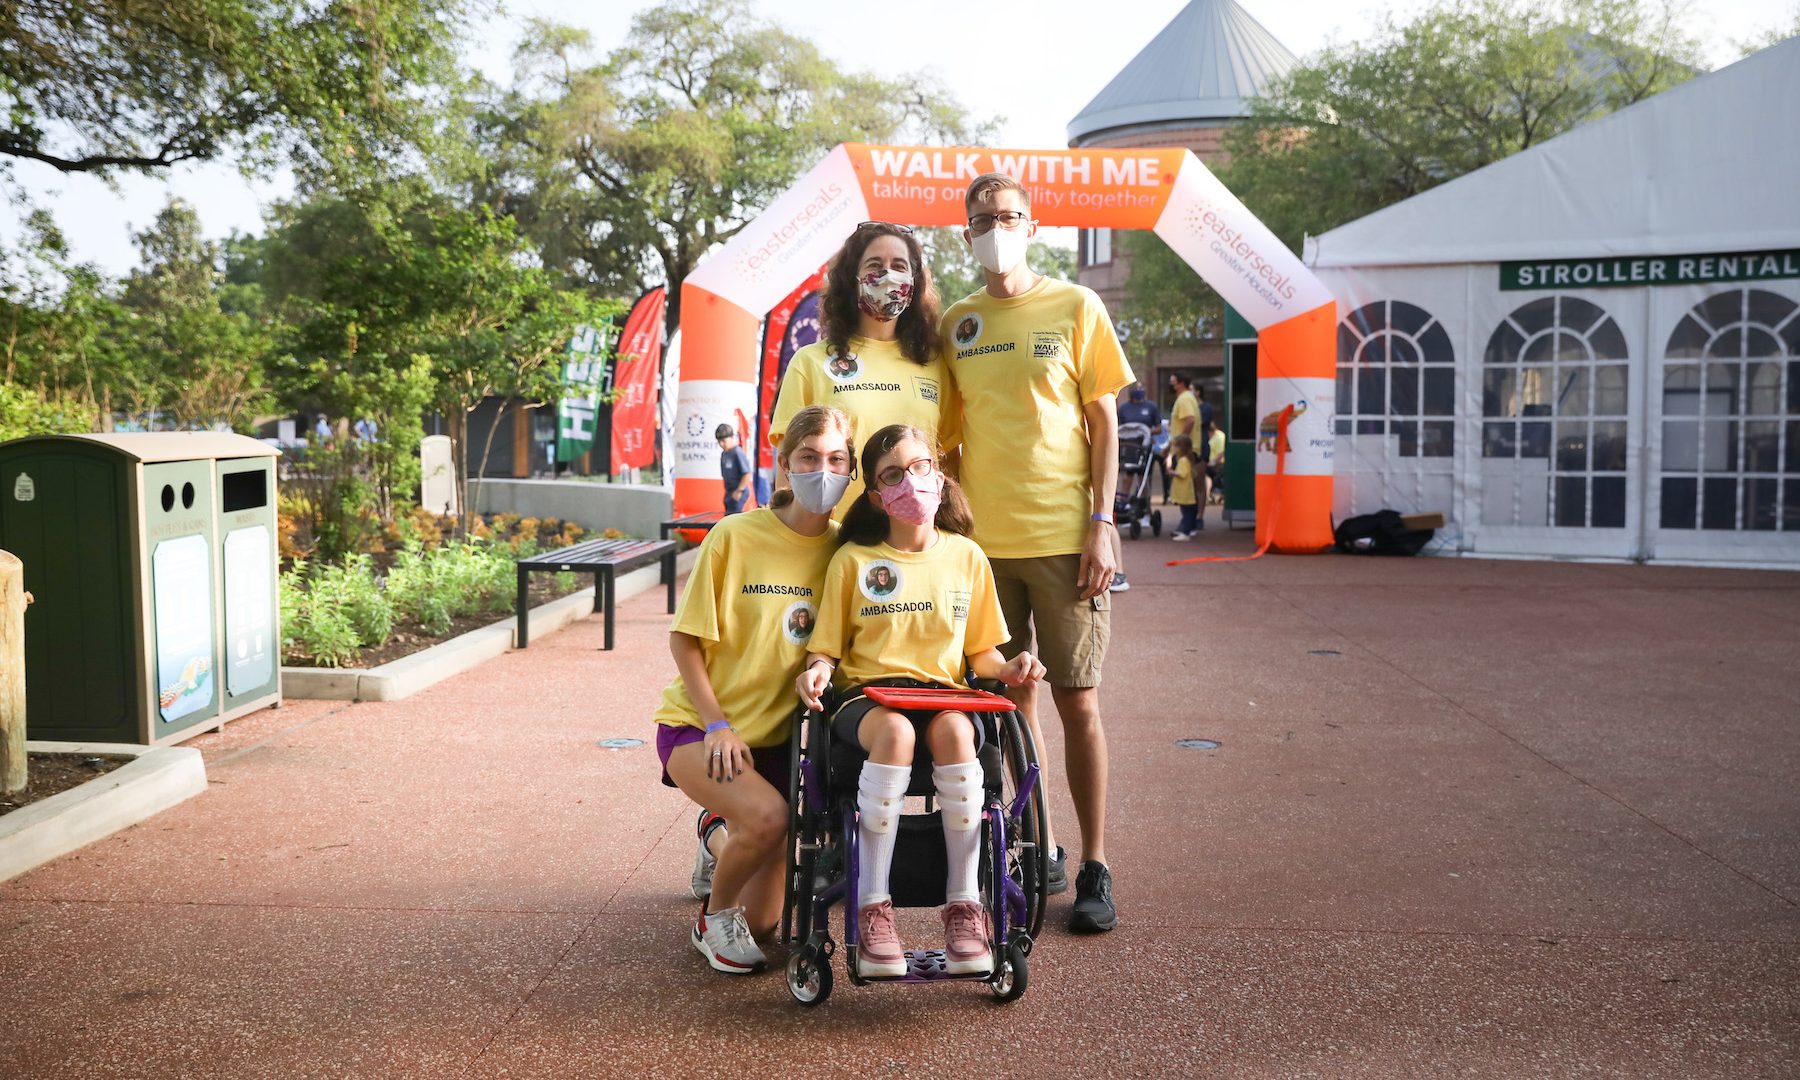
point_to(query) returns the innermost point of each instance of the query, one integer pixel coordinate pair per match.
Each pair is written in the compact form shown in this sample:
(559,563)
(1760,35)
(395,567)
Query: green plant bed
(374,607)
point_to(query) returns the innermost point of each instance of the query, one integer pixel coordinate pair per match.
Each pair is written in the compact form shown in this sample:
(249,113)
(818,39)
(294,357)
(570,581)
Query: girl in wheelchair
(909,601)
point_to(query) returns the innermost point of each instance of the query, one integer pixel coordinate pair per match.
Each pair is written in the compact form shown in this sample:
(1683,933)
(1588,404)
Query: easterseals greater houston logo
(968,330)
(880,580)
(843,369)
(797,622)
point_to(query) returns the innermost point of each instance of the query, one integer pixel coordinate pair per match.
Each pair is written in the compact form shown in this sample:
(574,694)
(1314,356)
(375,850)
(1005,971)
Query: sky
(1034,63)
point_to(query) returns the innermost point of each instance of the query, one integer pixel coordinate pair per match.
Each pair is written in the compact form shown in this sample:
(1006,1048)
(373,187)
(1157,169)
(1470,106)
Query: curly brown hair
(866,522)
(917,327)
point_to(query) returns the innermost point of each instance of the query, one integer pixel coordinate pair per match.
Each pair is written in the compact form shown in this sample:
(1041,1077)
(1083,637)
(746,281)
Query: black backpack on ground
(1380,533)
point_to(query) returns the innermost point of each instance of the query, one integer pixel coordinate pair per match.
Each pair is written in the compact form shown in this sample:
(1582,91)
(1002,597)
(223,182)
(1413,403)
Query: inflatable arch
(1165,190)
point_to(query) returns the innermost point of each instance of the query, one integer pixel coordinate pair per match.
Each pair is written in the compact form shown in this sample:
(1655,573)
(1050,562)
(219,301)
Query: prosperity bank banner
(634,384)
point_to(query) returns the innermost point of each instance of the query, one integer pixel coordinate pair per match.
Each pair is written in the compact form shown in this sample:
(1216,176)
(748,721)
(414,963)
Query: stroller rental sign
(1618,273)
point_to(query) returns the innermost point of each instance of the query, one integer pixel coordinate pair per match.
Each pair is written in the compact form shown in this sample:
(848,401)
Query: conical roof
(1206,64)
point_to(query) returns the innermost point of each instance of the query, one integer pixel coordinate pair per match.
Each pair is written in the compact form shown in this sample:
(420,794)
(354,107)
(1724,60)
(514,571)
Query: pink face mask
(915,499)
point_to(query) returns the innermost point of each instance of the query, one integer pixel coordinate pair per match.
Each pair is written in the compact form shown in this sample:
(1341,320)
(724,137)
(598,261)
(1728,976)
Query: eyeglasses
(1006,219)
(893,474)
(905,229)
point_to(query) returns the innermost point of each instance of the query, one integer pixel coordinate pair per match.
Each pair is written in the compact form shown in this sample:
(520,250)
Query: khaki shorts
(1040,597)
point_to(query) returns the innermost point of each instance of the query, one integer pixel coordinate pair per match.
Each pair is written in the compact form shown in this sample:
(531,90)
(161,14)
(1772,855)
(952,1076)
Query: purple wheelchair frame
(925,965)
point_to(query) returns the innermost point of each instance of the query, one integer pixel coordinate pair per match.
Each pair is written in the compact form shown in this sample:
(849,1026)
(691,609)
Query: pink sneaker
(966,939)
(878,952)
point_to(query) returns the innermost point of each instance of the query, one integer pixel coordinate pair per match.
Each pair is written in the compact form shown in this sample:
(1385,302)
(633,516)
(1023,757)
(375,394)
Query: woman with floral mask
(738,640)
(909,601)
(879,357)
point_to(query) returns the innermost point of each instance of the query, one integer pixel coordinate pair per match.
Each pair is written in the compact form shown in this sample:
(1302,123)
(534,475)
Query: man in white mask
(1038,367)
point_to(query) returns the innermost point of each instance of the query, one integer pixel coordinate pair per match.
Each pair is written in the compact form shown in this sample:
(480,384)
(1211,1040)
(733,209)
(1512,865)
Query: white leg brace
(880,797)
(959,796)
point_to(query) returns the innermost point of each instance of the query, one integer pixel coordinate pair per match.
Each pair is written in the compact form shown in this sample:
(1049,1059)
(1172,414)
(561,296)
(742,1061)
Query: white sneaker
(724,939)
(1181,537)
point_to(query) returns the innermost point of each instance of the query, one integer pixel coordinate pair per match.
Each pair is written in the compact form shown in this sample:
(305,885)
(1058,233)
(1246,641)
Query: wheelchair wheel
(809,976)
(1027,859)
(797,884)
(1015,973)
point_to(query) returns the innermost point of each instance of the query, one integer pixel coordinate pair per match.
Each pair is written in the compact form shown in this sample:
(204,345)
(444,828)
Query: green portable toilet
(1239,420)
(123,538)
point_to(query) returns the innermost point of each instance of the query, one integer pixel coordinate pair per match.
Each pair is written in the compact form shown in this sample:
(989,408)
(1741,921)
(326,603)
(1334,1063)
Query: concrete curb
(155,779)
(408,675)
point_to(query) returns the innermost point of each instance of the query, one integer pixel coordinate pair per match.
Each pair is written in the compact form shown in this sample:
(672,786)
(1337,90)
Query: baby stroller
(1131,502)
(822,842)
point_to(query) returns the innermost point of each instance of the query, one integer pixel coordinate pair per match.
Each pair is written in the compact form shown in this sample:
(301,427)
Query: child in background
(909,601)
(1185,467)
(734,469)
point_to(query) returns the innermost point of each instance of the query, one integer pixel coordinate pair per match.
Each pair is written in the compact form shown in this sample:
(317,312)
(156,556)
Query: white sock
(959,797)
(880,797)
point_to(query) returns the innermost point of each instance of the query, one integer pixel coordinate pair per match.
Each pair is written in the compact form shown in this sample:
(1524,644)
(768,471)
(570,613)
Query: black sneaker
(1058,875)
(1094,910)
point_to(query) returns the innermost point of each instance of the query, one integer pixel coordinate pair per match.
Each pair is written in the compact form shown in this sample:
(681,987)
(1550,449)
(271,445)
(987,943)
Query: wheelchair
(822,846)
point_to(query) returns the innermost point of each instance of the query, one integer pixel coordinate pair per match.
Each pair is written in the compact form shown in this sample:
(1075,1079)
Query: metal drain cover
(1197,744)
(620,744)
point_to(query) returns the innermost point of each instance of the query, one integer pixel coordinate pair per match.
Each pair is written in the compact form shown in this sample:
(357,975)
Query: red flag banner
(781,337)
(634,383)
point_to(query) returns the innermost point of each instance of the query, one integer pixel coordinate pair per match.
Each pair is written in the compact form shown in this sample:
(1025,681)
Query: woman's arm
(732,755)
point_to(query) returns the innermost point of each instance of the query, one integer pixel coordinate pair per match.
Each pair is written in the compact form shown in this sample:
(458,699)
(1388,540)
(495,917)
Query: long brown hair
(810,421)
(917,327)
(867,523)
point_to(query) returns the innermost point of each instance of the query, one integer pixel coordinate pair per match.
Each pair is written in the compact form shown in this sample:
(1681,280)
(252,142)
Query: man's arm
(1098,557)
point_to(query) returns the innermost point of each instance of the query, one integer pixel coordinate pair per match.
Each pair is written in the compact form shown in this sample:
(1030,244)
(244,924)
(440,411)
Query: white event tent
(1590,349)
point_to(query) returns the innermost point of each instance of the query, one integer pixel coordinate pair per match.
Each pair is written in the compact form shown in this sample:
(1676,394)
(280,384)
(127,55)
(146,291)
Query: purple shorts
(771,761)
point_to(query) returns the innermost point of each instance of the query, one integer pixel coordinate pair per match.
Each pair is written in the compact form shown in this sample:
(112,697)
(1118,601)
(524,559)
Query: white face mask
(819,491)
(999,250)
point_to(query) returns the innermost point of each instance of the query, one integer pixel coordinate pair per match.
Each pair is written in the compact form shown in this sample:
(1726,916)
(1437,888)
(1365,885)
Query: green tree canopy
(635,167)
(1364,125)
(108,85)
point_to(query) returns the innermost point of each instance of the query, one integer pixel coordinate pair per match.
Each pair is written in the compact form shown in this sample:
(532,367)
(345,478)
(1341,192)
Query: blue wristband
(718,725)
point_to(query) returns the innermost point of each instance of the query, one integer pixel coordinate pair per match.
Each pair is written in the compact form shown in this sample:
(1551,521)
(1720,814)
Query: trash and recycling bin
(152,559)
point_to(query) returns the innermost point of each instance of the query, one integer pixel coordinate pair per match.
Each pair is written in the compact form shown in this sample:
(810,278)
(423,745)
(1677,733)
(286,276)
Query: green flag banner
(586,371)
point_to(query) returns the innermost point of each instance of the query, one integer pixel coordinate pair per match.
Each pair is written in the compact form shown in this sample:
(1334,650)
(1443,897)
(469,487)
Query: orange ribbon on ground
(1281,426)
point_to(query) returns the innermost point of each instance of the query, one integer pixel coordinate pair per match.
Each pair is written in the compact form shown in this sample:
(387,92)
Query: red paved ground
(1531,819)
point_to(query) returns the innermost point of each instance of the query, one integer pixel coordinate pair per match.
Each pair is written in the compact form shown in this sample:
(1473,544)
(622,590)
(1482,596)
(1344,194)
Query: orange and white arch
(1165,190)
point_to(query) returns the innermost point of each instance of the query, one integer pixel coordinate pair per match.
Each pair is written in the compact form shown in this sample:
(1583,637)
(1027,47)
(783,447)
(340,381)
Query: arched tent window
(1731,415)
(1554,395)
(1397,377)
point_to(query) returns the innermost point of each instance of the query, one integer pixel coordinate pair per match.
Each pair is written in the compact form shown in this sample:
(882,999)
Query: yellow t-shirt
(1181,488)
(1216,448)
(1024,366)
(753,601)
(1186,405)
(877,386)
(919,614)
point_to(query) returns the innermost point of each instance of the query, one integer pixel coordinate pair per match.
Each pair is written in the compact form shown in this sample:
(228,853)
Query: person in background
(1206,417)
(734,469)
(1136,409)
(365,430)
(322,429)
(1215,463)
(1184,418)
(1187,467)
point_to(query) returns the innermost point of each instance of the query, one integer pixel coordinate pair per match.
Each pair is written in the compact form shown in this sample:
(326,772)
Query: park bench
(703,521)
(605,559)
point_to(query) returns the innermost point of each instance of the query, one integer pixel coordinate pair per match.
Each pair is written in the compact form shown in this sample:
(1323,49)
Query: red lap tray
(906,697)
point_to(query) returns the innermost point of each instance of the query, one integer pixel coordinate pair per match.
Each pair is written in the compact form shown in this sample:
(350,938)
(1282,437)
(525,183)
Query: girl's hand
(812,683)
(727,756)
(1022,670)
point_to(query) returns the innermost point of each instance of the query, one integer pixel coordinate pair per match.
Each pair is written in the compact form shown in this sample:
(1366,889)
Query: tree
(109,85)
(399,299)
(635,168)
(1365,125)
(1774,35)
(57,328)
(199,362)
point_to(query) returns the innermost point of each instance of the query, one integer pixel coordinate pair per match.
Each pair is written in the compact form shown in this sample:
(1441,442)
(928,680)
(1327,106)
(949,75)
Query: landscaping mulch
(48,774)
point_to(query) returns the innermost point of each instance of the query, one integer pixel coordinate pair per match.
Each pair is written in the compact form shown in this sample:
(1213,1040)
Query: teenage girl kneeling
(909,601)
